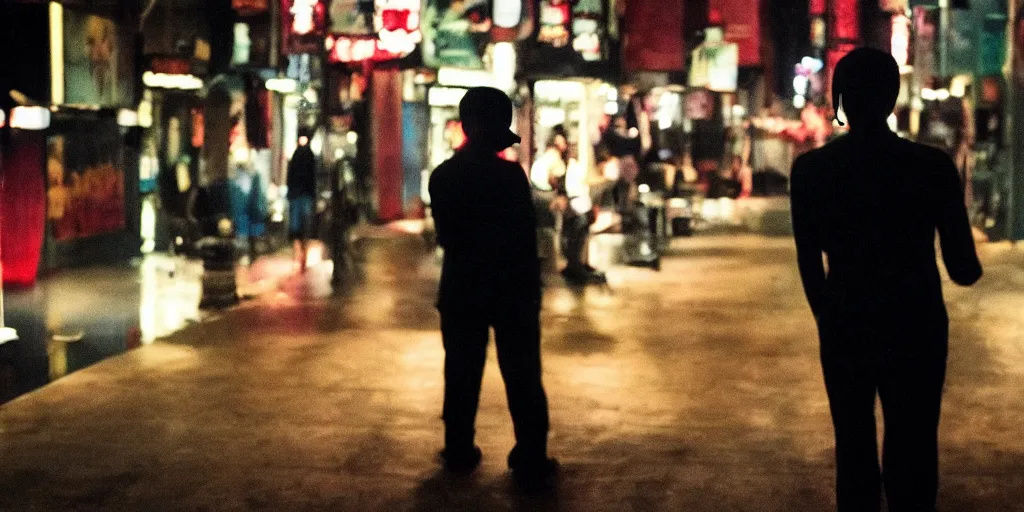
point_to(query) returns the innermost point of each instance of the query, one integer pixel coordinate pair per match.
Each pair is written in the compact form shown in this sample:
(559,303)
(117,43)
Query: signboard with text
(85,180)
(742,22)
(456,33)
(303,26)
(97,62)
(588,29)
(394,33)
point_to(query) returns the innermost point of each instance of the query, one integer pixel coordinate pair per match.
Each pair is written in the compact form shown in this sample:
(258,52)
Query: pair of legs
(517,337)
(906,369)
(300,222)
(575,234)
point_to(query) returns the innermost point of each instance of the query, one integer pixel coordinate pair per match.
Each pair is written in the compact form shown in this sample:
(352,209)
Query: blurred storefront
(69,161)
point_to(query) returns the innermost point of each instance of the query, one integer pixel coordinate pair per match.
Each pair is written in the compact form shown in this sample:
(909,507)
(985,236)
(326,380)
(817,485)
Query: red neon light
(397,19)
(354,49)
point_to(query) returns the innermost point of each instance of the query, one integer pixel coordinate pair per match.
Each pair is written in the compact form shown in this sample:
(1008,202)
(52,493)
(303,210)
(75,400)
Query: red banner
(22,208)
(845,22)
(742,26)
(653,39)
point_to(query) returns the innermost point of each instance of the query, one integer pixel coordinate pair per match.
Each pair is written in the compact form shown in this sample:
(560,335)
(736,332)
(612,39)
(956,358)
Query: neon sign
(302,25)
(302,16)
(397,23)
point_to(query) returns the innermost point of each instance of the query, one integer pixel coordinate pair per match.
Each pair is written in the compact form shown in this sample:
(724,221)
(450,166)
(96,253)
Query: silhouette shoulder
(809,164)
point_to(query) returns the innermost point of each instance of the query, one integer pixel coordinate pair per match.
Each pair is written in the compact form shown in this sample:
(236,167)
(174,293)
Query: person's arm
(807,234)
(526,224)
(955,236)
(438,209)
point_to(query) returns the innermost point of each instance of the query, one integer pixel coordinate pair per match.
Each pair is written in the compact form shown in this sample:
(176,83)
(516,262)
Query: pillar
(386,125)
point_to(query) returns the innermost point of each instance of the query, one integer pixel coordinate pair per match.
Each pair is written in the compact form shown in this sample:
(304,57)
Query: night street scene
(512,255)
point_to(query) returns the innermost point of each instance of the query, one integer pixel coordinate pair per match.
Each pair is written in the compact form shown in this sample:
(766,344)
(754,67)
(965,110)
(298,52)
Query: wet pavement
(697,388)
(78,317)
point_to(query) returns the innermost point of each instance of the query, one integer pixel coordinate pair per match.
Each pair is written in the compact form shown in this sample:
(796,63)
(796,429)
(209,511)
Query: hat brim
(509,139)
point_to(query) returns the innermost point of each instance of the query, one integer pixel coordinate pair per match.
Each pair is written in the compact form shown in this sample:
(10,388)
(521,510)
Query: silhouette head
(486,115)
(865,84)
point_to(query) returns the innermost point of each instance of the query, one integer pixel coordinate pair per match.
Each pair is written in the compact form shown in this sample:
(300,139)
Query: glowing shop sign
(900,40)
(302,12)
(397,23)
(352,49)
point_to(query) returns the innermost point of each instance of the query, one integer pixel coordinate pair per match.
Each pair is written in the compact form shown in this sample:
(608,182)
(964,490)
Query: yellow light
(56,53)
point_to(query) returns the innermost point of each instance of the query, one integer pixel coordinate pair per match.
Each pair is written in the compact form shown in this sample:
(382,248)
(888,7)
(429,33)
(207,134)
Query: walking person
(872,202)
(490,278)
(301,198)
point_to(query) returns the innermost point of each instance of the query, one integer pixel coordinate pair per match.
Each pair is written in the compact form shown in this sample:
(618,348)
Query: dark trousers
(906,368)
(517,337)
(575,231)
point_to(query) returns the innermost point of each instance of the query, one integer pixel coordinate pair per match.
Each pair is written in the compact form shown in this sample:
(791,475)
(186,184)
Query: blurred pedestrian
(872,202)
(301,182)
(484,218)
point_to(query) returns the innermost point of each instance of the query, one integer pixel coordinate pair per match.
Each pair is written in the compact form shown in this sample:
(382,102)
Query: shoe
(533,473)
(574,277)
(461,461)
(596,277)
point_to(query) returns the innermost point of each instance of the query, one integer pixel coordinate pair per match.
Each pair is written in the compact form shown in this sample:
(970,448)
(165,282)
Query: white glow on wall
(166,81)
(550,116)
(30,118)
(899,42)
(56,53)
(457,77)
(504,63)
(556,90)
(445,96)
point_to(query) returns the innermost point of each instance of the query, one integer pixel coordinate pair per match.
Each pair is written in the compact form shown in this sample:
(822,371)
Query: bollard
(220,289)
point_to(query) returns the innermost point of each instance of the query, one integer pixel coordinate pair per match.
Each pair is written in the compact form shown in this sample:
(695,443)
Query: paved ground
(695,389)
(107,310)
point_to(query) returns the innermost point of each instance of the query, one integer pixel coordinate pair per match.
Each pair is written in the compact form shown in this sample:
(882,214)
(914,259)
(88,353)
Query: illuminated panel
(56,53)
(397,24)
(900,40)
(845,22)
(302,25)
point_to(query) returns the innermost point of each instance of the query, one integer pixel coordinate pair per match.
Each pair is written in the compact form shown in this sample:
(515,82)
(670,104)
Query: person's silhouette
(485,222)
(871,202)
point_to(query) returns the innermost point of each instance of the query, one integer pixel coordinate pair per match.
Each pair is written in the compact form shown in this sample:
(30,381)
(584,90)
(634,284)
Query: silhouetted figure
(871,202)
(301,198)
(485,221)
